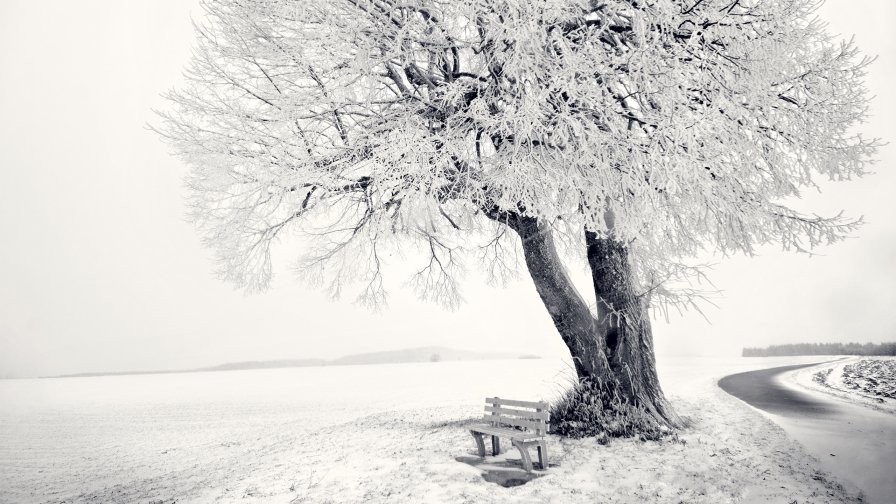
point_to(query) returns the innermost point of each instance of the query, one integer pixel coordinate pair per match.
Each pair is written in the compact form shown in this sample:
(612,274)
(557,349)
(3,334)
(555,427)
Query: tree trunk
(612,352)
(623,324)
(570,313)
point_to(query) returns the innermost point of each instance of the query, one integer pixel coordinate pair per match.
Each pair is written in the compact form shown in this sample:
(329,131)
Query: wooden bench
(524,423)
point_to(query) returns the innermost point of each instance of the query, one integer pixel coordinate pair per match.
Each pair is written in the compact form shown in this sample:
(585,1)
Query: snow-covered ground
(870,381)
(389,433)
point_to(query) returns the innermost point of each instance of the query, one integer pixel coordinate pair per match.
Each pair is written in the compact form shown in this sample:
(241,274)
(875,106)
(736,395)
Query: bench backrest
(531,416)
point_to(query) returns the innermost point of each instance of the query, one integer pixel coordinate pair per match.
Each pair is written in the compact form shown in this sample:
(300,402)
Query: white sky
(99,271)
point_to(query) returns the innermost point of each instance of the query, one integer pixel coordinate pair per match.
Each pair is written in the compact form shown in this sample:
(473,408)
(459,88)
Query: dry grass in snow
(867,380)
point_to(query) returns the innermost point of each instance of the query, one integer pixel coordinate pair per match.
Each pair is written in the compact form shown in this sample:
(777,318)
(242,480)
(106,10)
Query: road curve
(853,442)
(761,390)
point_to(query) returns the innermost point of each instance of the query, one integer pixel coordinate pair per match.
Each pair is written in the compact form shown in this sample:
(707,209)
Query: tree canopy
(673,125)
(634,134)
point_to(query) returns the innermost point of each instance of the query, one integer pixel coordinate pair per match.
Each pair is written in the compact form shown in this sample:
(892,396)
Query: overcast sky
(99,271)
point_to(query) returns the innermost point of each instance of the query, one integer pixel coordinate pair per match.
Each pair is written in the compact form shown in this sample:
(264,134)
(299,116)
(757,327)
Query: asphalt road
(760,389)
(853,442)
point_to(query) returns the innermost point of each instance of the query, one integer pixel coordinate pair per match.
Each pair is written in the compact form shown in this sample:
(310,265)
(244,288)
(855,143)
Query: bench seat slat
(516,422)
(524,414)
(505,433)
(513,402)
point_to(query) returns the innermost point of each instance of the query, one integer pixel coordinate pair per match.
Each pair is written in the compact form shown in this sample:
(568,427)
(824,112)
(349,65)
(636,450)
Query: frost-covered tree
(633,134)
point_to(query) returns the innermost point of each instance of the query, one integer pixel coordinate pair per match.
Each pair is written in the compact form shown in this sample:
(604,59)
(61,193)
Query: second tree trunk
(613,351)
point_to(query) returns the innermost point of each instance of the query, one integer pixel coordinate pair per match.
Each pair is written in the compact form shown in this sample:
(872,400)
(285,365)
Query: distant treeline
(822,349)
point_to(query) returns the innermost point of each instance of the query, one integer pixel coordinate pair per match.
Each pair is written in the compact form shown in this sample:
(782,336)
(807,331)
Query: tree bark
(612,351)
(570,313)
(623,324)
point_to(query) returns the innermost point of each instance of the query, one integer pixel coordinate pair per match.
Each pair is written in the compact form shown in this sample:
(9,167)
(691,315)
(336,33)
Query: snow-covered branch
(439,122)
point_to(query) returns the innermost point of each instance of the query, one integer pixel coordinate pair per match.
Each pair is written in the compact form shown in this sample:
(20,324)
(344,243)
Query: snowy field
(388,433)
(867,380)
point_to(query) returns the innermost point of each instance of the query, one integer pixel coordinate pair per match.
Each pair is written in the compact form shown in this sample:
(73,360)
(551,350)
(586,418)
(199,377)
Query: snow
(849,378)
(857,440)
(389,433)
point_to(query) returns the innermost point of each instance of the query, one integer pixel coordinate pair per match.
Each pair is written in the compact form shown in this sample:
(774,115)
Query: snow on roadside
(853,379)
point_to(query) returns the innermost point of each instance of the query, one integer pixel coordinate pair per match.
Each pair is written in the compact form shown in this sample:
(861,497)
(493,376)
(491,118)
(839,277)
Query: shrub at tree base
(590,410)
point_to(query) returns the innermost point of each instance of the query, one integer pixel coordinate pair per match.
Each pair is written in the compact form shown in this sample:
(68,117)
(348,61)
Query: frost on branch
(373,123)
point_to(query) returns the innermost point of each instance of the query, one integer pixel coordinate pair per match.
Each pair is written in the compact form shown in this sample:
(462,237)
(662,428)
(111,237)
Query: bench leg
(543,455)
(480,446)
(496,445)
(524,453)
